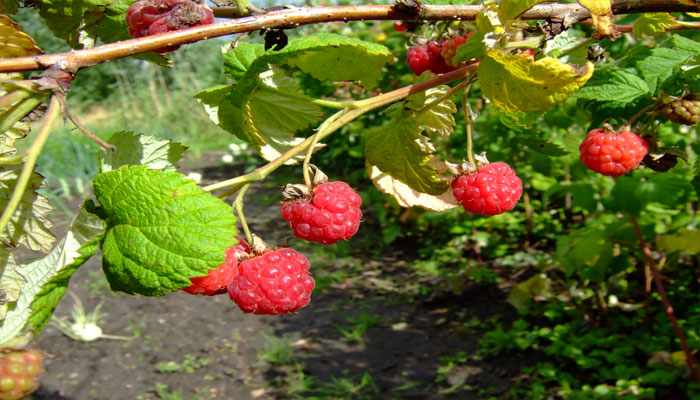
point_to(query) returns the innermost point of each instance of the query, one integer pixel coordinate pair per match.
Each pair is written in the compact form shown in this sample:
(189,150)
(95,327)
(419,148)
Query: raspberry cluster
(276,282)
(217,280)
(19,373)
(612,154)
(684,111)
(331,213)
(435,56)
(150,17)
(493,189)
(426,57)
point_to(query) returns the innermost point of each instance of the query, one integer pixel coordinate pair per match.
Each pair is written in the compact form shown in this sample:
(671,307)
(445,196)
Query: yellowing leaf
(517,83)
(438,119)
(407,197)
(684,240)
(597,7)
(652,24)
(13,42)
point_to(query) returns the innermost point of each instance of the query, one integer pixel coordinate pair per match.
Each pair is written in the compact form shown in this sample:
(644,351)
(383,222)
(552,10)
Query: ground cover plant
(552,146)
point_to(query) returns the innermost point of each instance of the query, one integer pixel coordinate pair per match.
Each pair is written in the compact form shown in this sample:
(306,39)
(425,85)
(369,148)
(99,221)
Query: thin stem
(230,191)
(348,116)
(238,206)
(295,17)
(642,112)
(30,161)
(442,98)
(80,126)
(315,138)
(468,126)
(338,105)
(690,359)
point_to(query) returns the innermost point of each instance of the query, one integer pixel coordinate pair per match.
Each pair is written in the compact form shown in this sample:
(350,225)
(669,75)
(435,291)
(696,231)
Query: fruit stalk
(664,299)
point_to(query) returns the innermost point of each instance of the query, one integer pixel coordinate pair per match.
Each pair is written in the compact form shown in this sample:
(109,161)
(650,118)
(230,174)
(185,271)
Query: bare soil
(196,347)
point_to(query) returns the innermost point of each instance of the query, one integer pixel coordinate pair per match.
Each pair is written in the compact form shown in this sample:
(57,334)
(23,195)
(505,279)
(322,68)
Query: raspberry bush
(404,104)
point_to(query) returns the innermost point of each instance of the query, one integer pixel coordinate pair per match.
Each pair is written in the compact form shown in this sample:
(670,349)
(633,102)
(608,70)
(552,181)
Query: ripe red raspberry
(331,213)
(399,27)
(276,282)
(19,373)
(493,189)
(450,46)
(217,280)
(150,17)
(684,111)
(612,154)
(427,57)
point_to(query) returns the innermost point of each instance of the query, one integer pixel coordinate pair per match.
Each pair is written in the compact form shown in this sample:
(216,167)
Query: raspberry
(19,373)
(276,282)
(612,154)
(427,57)
(684,111)
(216,281)
(150,17)
(493,189)
(331,213)
(450,46)
(399,27)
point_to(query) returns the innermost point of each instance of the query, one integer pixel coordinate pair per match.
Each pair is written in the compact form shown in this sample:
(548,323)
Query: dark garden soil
(193,347)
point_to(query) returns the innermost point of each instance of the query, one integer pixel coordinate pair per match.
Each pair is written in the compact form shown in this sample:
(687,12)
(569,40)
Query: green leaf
(238,61)
(271,115)
(535,141)
(652,24)
(538,285)
(148,150)
(394,148)
(517,83)
(625,196)
(587,252)
(439,118)
(657,64)
(29,225)
(47,277)
(614,84)
(472,48)
(509,9)
(162,230)
(683,43)
(325,56)
(684,240)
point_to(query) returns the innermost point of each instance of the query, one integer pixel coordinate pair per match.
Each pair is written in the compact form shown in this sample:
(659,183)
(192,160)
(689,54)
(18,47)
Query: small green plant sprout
(83,327)
(355,334)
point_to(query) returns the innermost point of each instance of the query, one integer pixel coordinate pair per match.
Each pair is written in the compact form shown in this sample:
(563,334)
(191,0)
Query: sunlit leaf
(29,225)
(14,42)
(133,149)
(652,24)
(517,83)
(509,9)
(395,148)
(407,197)
(438,119)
